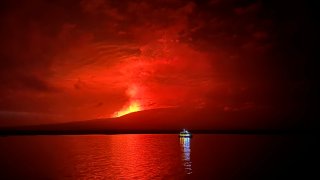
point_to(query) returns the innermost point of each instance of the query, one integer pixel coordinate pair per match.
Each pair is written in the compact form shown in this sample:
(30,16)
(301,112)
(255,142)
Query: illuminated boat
(185,133)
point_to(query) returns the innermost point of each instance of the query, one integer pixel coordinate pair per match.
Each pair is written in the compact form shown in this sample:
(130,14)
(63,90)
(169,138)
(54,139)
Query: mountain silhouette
(165,120)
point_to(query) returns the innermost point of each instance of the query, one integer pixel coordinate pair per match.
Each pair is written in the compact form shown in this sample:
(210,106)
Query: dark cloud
(69,55)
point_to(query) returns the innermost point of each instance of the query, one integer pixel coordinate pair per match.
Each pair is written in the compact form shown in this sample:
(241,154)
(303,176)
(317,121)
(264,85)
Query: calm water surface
(151,157)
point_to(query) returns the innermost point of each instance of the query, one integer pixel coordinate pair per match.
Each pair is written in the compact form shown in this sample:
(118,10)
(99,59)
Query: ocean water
(156,156)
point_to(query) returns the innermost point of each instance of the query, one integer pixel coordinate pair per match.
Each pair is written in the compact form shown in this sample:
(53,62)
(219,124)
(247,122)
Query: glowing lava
(132,107)
(134,103)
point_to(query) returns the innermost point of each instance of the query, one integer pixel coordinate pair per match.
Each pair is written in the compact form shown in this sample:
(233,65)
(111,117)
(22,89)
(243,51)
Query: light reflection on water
(185,143)
(91,157)
(147,156)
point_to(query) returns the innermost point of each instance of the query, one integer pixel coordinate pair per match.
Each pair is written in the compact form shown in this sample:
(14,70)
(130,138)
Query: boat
(185,133)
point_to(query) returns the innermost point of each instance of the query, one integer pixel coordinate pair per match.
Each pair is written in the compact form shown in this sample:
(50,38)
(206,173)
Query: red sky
(86,59)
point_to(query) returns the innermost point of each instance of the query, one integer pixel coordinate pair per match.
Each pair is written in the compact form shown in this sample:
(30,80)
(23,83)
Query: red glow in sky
(99,59)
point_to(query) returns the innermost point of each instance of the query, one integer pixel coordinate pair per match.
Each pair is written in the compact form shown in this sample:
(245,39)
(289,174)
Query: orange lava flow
(132,107)
(134,103)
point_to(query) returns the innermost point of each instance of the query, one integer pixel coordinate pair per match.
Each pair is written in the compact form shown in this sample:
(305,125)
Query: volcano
(166,120)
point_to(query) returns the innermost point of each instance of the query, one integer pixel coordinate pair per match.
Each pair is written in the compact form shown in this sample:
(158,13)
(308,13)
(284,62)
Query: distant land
(171,120)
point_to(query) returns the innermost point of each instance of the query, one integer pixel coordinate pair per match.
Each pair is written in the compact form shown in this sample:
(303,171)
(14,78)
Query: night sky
(86,59)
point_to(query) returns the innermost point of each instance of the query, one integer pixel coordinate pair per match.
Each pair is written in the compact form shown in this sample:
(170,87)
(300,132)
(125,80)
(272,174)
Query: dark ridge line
(114,132)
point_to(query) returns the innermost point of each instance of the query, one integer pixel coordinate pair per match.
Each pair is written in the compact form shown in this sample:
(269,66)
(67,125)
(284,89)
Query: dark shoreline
(113,132)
